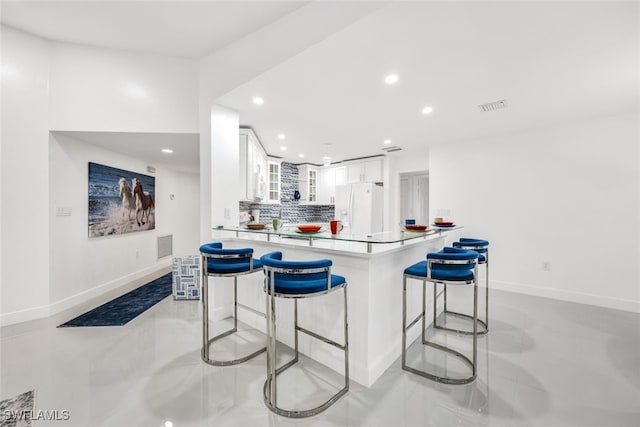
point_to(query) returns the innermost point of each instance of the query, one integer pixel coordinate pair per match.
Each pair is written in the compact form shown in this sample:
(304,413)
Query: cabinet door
(341,175)
(373,171)
(261,177)
(251,170)
(243,167)
(273,182)
(308,185)
(327,186)
(355,173)
(312,183)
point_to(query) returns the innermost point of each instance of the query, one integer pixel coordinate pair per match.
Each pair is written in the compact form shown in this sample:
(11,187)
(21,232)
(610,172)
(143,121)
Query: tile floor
(544,363)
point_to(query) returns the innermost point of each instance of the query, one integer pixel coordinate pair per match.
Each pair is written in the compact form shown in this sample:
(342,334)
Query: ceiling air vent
(391,149)
(493,106)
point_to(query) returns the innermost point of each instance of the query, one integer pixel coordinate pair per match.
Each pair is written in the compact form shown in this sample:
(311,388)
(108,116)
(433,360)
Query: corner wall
(50,85)
(25,188)
(83,267)
(567,195)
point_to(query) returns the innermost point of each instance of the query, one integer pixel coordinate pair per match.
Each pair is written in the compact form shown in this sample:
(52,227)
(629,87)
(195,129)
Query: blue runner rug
(121,310)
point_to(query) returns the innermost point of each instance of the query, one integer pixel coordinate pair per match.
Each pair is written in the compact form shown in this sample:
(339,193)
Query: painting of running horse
(120,201)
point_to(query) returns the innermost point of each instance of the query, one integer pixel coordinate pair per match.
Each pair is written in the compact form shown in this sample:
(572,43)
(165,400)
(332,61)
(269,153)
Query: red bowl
(416,227)
(445,223)
(309,228)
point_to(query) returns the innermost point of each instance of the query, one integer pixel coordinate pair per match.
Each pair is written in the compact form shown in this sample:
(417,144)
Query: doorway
(414,196)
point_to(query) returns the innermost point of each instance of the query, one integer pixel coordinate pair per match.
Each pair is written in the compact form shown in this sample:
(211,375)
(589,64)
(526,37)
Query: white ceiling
(180,28)
(147,147)
(552,62)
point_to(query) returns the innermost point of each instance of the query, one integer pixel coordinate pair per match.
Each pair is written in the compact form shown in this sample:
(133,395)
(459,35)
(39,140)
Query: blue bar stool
(482,247)
(218,262)
(448,266)
(298,279)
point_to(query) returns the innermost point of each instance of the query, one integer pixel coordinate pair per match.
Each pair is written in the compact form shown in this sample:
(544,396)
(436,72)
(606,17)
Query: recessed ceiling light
(301,156)
(167,150)
(427,110)
(391,79)
(282,136)
(257,100)
(283,148)
(387,141)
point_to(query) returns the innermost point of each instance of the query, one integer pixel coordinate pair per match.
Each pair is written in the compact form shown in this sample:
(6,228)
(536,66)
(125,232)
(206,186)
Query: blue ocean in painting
(105,203)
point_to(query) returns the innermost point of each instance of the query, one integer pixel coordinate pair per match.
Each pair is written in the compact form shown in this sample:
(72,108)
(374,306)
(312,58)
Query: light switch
(62,211)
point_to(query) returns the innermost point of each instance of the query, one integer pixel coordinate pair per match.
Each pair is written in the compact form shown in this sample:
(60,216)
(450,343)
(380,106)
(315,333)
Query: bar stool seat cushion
(300,283)
(297,286)
(214,266)
(475,243)
(228,265)
(453,275)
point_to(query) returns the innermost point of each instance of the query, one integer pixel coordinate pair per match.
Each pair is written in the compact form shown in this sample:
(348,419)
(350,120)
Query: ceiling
(190,29)
(186,147)
(552,62)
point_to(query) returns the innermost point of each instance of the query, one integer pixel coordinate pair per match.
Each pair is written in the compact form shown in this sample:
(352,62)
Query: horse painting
(128,200)
(144,202)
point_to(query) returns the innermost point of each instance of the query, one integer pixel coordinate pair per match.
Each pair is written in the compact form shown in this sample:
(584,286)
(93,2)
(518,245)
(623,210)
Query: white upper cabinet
(366,171)
(340,175)
(326,185)
(273,193)
(253,168)
(308,184)
(373,171)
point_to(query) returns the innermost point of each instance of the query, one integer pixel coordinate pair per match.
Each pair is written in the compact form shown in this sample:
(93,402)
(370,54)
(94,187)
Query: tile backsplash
(291,210)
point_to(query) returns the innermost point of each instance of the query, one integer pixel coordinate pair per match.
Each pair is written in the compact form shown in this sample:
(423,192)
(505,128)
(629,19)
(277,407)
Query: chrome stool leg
(472,363)
(206,341)
(483,323)
(484,250)
(270,389)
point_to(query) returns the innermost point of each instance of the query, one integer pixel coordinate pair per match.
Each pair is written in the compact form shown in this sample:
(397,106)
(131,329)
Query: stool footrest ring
(300,413)
(229,362)
(444,380)
(481,323)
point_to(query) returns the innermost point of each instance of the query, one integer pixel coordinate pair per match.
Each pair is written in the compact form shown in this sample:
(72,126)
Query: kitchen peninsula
(372,264)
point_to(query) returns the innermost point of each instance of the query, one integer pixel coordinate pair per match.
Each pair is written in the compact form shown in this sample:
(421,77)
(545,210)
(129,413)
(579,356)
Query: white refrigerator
(359,206)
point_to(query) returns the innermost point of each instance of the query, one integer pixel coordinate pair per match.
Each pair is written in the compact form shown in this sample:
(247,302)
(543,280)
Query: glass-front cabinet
(259,175)
(274,182)
(313,185)
(308,184)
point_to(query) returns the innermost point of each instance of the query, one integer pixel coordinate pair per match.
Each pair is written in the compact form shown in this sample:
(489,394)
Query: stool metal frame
(483,323)
(270,390)
(206,341)
(471,363)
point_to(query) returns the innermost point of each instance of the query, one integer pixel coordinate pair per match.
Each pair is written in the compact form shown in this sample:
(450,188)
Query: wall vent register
(493,106)
(165,246)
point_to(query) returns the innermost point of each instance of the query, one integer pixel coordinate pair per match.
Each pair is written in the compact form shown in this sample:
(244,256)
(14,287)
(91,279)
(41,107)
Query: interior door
(414,197)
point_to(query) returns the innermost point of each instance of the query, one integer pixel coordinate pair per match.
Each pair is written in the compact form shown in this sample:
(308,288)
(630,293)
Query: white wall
(83,267)
(225,166)
(567,195)
(96,89)
(47,85)
(25,187)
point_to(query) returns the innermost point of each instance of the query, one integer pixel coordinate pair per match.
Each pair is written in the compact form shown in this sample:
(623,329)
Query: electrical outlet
(227,213)
(137,254)
(546,266)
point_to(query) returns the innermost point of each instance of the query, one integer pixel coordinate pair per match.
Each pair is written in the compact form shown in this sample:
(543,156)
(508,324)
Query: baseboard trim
(570,296)
(25,315)
(35,313)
